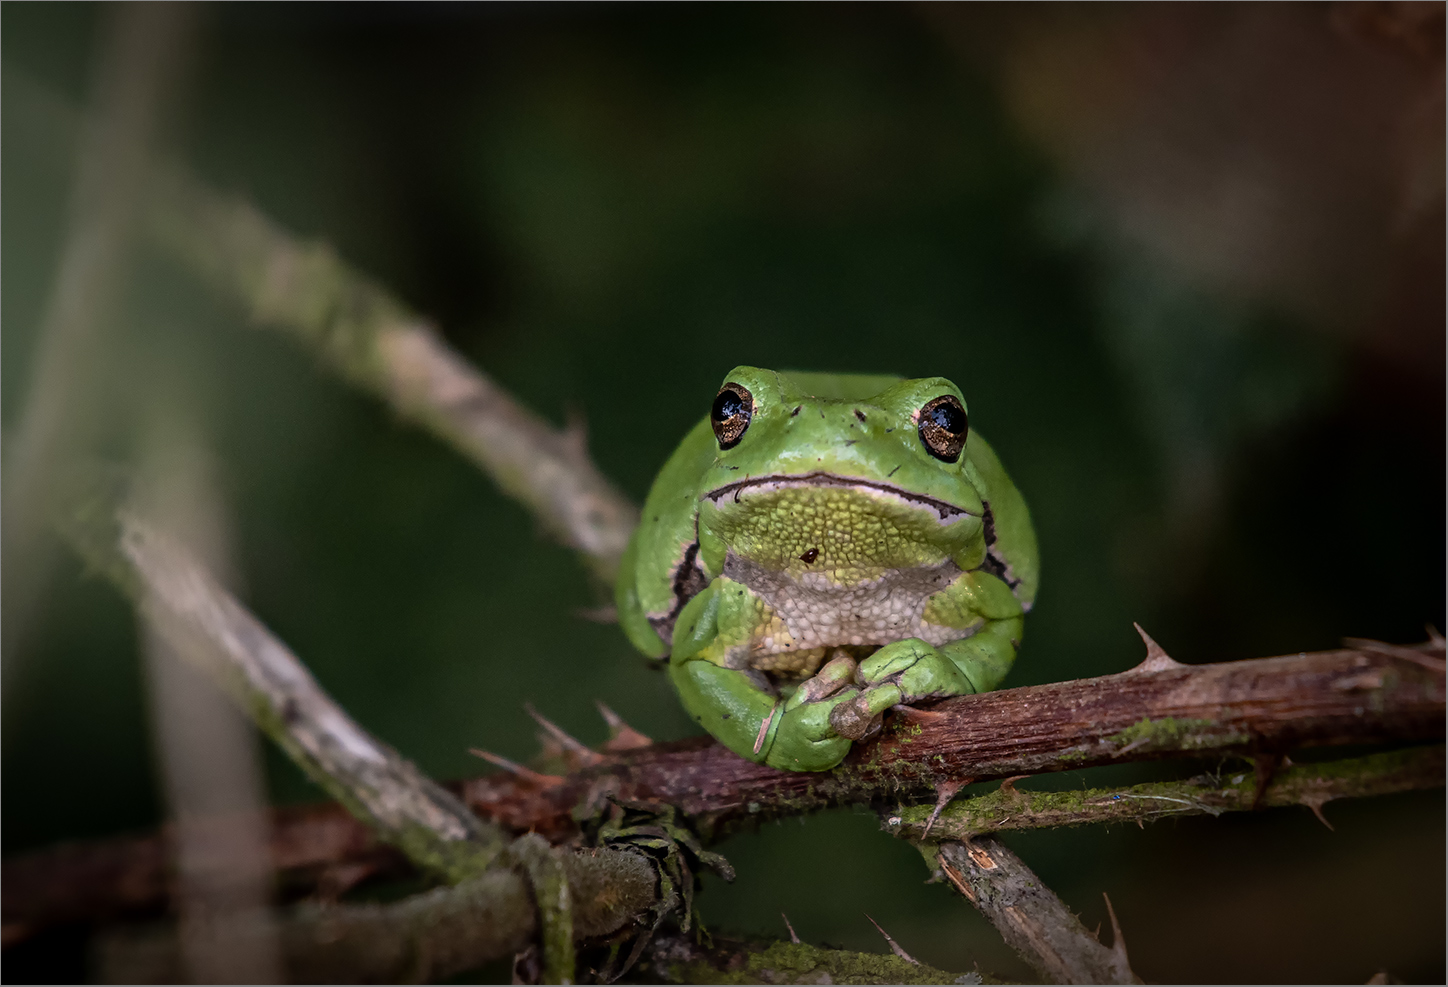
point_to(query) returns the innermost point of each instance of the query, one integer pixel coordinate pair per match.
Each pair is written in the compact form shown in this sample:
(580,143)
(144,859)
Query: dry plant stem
(429,936)
(679,959)
(1265,705)
(374,341)
(1310,785)
(207,625)
(1031,919)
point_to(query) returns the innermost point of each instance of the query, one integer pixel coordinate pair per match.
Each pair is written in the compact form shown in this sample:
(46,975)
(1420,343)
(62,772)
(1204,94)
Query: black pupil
(727,405)
(948,417)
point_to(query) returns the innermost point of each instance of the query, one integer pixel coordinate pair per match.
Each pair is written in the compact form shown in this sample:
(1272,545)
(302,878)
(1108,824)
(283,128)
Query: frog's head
(848,476)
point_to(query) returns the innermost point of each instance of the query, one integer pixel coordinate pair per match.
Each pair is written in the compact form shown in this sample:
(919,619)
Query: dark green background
(607,207)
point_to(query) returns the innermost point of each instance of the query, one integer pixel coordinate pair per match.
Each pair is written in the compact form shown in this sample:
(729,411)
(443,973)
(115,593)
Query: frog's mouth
(946,513)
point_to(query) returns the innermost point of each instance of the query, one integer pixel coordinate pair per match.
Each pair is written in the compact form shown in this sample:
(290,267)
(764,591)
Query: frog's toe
(934,676)
(919,670)
(893,660)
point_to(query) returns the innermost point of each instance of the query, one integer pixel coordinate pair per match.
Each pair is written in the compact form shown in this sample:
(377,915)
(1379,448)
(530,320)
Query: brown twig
(1031,919)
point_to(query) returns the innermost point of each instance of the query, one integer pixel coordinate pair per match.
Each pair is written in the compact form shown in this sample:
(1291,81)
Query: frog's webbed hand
(911,670)
(805,739)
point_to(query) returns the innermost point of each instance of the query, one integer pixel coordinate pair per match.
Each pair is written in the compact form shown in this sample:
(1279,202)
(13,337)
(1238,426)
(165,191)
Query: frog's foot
(805,739)
(899,673)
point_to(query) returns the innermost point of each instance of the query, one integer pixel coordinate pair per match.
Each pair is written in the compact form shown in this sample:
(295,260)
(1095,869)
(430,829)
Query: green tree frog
(820,549)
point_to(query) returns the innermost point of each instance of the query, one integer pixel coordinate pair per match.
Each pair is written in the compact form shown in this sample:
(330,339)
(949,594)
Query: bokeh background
(1186,263)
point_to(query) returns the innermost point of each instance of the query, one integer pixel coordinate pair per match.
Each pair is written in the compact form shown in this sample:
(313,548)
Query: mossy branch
(682,960)
(375,341)
(426,937)
(1310,785)
(361,331)
(207,626)
(382,790)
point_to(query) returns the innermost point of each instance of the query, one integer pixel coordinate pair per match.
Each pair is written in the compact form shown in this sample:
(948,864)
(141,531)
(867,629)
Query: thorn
(1118,946)
(1138,742)
(1008,785)
(764,728)
(576,752)
(921,716)
(894,946)
(1433,664)
(792,937)
(1157,660)
(524,774)
(1316,806)
(944,792)
(1435,639)
(622,736)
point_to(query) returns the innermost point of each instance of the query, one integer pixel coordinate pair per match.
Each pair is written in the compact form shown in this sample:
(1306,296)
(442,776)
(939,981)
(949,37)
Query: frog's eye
(943,427)
(731,413)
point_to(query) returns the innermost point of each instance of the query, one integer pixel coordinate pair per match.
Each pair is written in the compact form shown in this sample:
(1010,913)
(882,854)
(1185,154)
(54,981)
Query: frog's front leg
(738,705)
(977,604)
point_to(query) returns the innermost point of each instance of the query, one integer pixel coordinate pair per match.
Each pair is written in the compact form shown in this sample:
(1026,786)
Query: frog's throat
(945,513)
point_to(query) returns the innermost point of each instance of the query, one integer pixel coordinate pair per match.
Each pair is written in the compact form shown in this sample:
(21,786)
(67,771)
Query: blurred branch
(429,936)
(1031,919)
(141,53)
(373,340)
(206,748)
(206,625)
(1311,785)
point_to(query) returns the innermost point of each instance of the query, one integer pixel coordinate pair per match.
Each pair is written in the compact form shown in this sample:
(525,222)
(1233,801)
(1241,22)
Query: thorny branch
(1310,785)
(1160,709)
(320,849)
